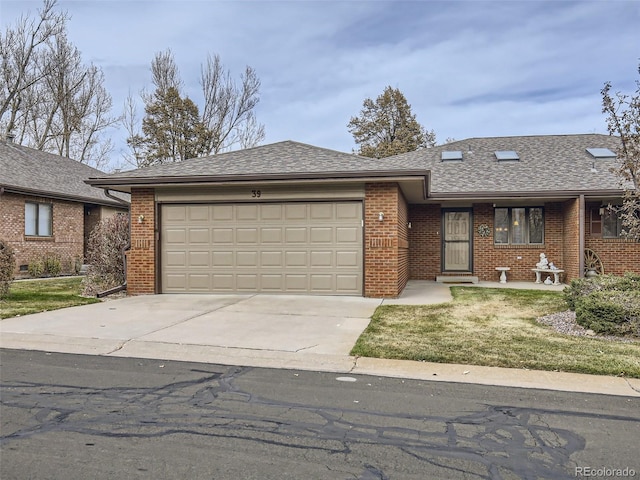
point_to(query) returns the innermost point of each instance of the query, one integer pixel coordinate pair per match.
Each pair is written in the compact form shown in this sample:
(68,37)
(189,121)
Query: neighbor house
(294,218)
(46,208)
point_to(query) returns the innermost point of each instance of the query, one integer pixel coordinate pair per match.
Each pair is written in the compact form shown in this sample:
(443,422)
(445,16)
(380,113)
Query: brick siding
(141,258)
(386,242)
(617,255)
(66,242)
(425,244)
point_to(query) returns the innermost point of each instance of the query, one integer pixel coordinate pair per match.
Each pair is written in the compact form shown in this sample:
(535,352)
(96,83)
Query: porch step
(456,279)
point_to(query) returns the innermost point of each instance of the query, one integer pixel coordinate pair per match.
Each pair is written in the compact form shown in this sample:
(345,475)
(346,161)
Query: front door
(456,240)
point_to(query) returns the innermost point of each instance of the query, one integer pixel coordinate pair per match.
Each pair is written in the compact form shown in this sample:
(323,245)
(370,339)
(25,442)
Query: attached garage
(285,218)
(280,247)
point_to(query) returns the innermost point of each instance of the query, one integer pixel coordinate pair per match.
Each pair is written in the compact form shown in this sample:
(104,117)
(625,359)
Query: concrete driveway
(198,327)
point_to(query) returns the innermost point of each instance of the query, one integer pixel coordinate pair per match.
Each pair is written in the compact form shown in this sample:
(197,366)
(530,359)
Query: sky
(467,68)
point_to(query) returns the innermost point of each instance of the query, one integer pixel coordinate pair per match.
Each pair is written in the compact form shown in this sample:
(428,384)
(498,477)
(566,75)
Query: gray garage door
(313,248)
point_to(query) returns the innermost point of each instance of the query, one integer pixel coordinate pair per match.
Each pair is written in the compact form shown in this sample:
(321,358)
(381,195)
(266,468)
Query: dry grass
(33,296)
(493,327)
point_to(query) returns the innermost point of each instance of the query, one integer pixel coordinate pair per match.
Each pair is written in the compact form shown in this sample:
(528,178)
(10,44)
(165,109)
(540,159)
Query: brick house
(294,218)
(46,208)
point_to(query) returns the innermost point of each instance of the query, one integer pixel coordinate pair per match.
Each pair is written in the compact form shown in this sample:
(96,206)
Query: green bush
(7,267)
(579,288)
(607,304)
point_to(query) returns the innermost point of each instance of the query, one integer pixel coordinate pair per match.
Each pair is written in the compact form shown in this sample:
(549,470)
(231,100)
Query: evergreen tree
(387,127)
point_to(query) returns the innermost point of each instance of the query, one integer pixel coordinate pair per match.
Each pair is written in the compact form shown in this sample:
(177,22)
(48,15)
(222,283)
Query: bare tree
(229,108)
(135,137)
(623,120)
(23,60)
(173,129)
(53,102)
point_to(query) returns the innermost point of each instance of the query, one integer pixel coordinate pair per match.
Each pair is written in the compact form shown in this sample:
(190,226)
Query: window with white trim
(38,219)
(518,226)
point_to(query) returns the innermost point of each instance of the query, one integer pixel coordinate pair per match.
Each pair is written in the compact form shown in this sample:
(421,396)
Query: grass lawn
(35,296)
(492,327)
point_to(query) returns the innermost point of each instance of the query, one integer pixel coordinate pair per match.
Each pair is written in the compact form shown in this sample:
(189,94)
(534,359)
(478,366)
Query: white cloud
(468,68)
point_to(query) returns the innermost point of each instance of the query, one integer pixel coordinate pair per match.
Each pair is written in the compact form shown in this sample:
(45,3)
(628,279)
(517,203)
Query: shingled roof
(33,172)
(547,164)
(287,158)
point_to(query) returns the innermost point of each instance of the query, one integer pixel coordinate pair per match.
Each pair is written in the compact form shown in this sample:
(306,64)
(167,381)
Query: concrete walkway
(272,331)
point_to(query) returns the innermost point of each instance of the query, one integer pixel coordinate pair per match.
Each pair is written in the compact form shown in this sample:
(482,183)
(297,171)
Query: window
(37,219)
(611,224)
(518,226)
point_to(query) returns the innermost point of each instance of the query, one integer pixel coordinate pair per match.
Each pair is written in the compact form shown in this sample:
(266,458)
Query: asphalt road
(80,417)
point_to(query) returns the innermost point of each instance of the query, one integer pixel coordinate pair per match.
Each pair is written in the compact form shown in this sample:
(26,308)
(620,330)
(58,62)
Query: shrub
(7,267)
(610,312)
(52,265)
(36,267)
(105,251)
(607,304)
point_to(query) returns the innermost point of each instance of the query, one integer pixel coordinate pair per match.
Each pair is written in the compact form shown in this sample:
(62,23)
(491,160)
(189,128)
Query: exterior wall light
(380,217)
(140,218)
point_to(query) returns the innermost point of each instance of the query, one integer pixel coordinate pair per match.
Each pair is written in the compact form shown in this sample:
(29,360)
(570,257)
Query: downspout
(125,249)
(581,234)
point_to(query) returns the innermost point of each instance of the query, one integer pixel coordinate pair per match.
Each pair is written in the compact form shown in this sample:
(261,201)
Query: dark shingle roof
(30,171)
(548,163)
(286,157)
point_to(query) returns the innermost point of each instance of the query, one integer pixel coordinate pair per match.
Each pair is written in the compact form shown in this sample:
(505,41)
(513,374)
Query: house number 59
(256,193)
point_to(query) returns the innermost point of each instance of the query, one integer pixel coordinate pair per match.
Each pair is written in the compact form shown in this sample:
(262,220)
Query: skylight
(507,155)
(601,153)
(451,156)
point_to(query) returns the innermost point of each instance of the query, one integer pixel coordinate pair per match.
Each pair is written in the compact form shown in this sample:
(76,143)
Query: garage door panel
(222,259)
(247,282)
(175,213)
(347,259)
(271,259)
(271,212)
(198,213)
(295,211)
(199,259)
(177,236)
(176,259)
(349,211)
(222,235)
(199,235)
(199,282)
(347,283)
(271,235)
(223,282)
(271,282)
(320,283)
(176,281)
(281,248)
(220,213)
(246,259)
(321,259)
(321,234)
(295,235)
(348,235)
(247,212)
(247,235)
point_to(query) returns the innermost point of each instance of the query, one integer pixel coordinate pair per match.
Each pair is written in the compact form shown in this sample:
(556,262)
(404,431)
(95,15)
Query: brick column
(384,271)
(141,258)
